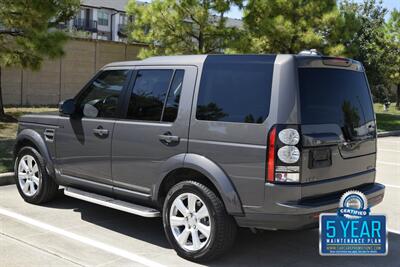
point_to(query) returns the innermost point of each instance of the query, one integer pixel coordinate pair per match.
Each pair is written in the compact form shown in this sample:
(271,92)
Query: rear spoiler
(328,62)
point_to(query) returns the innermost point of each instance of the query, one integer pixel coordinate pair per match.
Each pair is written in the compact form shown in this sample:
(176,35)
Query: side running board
(112,203)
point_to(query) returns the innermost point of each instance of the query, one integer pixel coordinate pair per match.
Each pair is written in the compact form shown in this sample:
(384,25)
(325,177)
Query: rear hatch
(337,120)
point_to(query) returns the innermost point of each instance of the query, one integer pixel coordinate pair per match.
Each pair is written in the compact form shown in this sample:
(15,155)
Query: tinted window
(235,89)
(334,96)
(104,92)
(174,94)
(148,95)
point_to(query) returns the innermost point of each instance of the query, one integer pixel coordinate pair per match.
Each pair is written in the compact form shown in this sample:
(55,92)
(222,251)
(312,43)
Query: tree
(368,43)
(393,37)
(181,27)
(289,26)
(28,33)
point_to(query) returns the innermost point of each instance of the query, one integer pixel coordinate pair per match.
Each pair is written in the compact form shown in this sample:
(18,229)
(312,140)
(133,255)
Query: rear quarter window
(235,89)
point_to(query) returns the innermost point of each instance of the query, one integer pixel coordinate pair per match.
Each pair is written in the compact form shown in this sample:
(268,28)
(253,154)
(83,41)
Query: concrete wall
(62,78)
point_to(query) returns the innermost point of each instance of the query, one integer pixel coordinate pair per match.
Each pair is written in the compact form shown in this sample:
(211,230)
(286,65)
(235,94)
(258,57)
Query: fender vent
(49,135)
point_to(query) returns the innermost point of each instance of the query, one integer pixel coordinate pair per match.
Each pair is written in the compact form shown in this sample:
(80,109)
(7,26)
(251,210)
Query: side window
(104,92)
(235,89)
(174,95)
(148,95)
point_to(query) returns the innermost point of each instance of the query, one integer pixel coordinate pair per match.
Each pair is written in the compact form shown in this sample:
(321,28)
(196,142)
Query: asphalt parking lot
(70,232)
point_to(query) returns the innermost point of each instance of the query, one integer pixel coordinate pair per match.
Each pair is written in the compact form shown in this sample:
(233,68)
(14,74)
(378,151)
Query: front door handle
(101,132)
(169,139)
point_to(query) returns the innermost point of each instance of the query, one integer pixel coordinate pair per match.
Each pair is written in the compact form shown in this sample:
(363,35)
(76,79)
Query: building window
(122,19)
(102,18)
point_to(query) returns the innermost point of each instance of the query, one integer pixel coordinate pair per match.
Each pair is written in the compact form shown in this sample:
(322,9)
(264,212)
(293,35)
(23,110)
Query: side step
(112,203)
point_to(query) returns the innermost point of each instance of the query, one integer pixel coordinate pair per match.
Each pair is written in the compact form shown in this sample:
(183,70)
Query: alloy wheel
(28,175)
(190,222)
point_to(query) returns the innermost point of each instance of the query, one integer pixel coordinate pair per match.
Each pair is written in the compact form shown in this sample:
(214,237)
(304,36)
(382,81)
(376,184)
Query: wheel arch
(201,169)
(29,137)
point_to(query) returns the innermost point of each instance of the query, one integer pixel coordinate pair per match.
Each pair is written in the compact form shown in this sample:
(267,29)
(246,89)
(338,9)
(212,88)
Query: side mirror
(67,107)
(90,111)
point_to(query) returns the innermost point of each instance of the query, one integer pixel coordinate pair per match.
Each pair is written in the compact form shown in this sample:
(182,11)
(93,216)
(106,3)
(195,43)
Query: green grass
(8,132)
(387,120)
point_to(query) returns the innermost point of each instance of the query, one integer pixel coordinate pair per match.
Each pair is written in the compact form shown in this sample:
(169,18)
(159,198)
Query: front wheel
(196,223)
(32,180)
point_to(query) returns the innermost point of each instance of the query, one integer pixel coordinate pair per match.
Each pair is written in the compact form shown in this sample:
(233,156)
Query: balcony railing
(85,25)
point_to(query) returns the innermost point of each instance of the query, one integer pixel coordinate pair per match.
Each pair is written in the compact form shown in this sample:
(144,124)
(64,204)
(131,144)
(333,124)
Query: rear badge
(353,231)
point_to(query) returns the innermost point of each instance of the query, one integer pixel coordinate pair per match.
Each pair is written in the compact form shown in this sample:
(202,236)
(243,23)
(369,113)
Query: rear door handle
(168,139)
(101,132)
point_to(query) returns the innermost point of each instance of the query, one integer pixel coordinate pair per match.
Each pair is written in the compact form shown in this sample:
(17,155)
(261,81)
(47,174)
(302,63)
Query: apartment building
(107,20)
(100,19)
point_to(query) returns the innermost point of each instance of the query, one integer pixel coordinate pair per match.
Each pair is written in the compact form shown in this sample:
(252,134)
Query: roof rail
(311,52)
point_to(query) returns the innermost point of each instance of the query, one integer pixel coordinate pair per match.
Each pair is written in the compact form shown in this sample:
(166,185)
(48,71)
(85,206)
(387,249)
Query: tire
(219,224)
(33,182)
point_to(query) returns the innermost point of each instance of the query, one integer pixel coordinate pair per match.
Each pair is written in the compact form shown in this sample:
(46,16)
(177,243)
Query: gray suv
(209,142)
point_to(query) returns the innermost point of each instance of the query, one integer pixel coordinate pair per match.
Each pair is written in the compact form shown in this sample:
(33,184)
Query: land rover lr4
(209,142)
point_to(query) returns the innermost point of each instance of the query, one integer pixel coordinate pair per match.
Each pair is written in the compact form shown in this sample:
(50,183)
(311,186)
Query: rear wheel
(33,183)
(196,222)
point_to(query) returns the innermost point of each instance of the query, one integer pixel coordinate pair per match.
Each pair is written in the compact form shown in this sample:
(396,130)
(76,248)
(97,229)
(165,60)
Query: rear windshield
(336,96)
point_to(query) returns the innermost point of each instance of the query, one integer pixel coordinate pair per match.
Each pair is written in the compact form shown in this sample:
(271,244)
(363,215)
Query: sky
(389,4)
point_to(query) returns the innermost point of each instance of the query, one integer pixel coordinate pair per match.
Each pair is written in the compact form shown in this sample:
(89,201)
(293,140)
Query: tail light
(271,155)
(283,156)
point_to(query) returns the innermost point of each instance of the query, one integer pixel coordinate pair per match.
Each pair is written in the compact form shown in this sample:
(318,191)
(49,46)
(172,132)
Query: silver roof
(163,60)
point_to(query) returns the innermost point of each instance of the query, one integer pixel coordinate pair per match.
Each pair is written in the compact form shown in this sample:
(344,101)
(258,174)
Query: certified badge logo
(353,230)
(353,205)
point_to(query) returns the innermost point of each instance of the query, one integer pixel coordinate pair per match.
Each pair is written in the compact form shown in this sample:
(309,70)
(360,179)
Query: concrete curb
(391,133)
(7,178)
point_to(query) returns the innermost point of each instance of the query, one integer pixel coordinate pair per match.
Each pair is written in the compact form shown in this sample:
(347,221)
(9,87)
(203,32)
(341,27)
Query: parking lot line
(394,186)
(388,141)
(102,246)
(388,163)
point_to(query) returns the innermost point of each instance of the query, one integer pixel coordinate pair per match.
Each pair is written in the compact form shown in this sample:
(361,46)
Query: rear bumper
(305,213)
